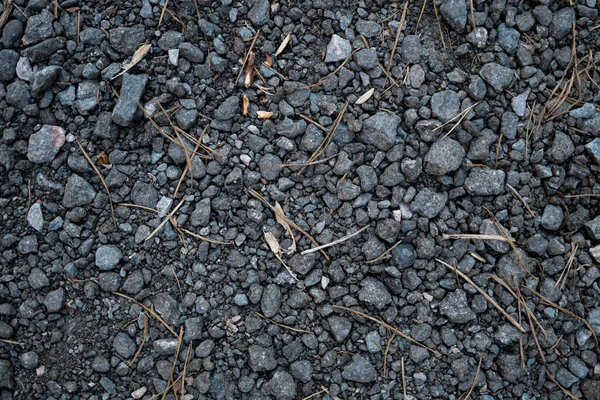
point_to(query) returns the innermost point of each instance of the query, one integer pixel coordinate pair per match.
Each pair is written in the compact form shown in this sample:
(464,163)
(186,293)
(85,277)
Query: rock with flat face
(338,49)
(45,144)
(380,130)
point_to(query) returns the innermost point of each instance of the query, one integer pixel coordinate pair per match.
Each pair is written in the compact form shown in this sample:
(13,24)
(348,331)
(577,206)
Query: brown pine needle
(148,310)
(164,222)
(328,138)
(386,352)
(144,334)
(460,116)
(162,13)
(500,229)
(518,196)
(573,196)
(398,31)
(565,391)
(439,24)
(565,273)
(473,25)
(185,365)
(315,123)
(498,146)
(175,361)
(247,55)
(89,160)
(338,241)
(206,239)
(468,394)
(403,380)
(335,71)
(420,16)
(572,314)
(314,394)
(321,161)
(484,294)
(289,221)
(282,325)
(385,325)
(476,236)
(7,341)
(384,255)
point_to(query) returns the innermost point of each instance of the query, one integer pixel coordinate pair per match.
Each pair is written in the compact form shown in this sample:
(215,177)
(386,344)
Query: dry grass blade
(398,31)
(498,147)
(565,273)
(385,254)
(89,160)
(144,335)
(162,13)
(328,138)
(338,241)
(530,127)
(289,221)
(518,196)
(148,310)
(420,16)
(137,57)
(185,365)
(473,25)
(574,196)
(368,94)
(335,71)
(7,341)
(247,55)
(312,163)
(460,116)
(283,220)
(565,391)
(175,359)
(500,229)
(315,123)
(283,44)
(437,17)
(476,236)
(189,167)
(206,239)
(572,314)
(282,325)
(386,352)
(385,325)
(484,294)
(470,391)
(314,394)
(276,249)
(164,222)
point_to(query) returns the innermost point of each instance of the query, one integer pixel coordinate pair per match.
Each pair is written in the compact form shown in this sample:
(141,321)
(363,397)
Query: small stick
(565,273)
(185,365)
(282,325)
(572,196)
(323,80)
(338,241)
(28,199)
(149,310)
(197,10)
(484,294)
(89,160)
(385,254)
(167,219)
(385,325)
(439,25)
(162,13)
(386,352)
(565,391)
(321,161)
(473,16)
(420,15)
(144,334)
(7,341)
(314,394)
(203,237)
(497,148)
(315,123)
(518,196)
(476,237)
(78,24)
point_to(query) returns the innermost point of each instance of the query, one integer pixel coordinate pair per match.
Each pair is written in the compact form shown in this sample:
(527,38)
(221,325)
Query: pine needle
(476,237)
(385,254)
(468,394)
(518,196)
(247,55)
(164,222)
(398,31)
(148,310)
(338,241)
(565,391)
(144,334)
(282,325)
(206,239)
(7,341)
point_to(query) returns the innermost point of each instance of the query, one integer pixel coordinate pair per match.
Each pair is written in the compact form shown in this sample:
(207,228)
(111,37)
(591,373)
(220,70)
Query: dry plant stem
(175,359)
(338,241)
(500,229)
(386,352)
(315,123)
(247,55)
(89,160)
(402,364)
(484,294)
(475,236)
(188,168)
(534,333)
(398,31)
(385,325)
(321,161)
(472,15)
(328,138)
(144,334)
(323,80)
(292,223)
(206,239)
(420,15)
(565,391)
(573,196)
(468,394)
(439,25)
(7,341)
(530,125)
(572,314)
(518,196)
(497,148)
(185,365)
(314,394)
(148,310)
(162,13)
(28,199)
(282,325)
(384,255)
(164,222)
(461,117)
(197,9)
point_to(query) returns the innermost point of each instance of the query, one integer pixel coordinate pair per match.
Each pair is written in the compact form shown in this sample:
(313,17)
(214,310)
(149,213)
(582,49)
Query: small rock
(443,157)
(35,217)
(55,300)
(44,79)
(228,109)
(593,227)
(368,28)
(338,49)
(404,255)
(508,38)
(593,149)
(445,105)
(124,345)
(132,89)
(127,40)
(429,203)
(374,293)
(78,192)
(107,257)
(259,14)
(165,347)
(45,144)
(28,360)
(270,166)
(485,182)
(455,307)
(283,386)
(270,301)
(552,218)
(39,27)
(261,359)
(562,21)
(13,30)
(359,370)
(562,148)
(100,364)
(8,64)
(379,130)
(497,76)
(144,194)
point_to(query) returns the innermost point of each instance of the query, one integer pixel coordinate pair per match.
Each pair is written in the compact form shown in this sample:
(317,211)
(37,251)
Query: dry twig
(338,241)
(282,325)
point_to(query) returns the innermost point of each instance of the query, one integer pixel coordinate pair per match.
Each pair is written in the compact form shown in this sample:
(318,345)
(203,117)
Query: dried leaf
(103,160)
(283,44)
(137,57)
(273,243)
(282,219)
(264,114)
(365,96)
(249,77)
(269,60)
(73,9)
(245,105)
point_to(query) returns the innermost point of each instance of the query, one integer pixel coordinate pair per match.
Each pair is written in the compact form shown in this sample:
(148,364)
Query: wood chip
(264,114)
(283,44)
(245,105)
(365,96)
